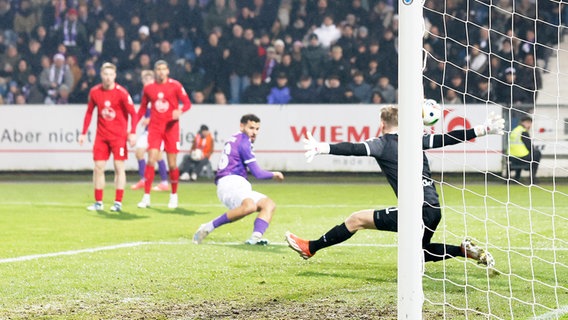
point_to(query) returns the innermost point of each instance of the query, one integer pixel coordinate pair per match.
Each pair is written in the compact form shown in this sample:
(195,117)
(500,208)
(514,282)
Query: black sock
(440,251)
(334,236)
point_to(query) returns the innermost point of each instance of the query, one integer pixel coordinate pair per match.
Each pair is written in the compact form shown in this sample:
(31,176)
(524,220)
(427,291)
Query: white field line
(145,243)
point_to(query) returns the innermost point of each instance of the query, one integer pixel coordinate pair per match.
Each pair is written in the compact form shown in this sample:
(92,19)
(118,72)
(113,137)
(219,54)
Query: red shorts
(102,149)
(168,134)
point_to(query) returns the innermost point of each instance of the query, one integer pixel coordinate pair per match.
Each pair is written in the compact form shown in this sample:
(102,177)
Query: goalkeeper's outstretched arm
(493,125)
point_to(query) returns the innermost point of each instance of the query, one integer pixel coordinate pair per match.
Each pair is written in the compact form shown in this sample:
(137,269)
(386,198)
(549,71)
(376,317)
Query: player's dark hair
(389,115)
(526,118)
(160,62)
(249,117)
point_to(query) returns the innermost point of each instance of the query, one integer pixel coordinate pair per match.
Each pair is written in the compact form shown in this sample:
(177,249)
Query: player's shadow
(180,211)
(254,248)
(122,215)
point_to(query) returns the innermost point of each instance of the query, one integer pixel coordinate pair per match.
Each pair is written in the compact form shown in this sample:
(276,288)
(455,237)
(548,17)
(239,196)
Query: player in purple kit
(233,188)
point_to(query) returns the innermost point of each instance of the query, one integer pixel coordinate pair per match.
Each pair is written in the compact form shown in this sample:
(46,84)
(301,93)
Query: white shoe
(471,250)
(194,176)
(173,201)
(201,233)
(97,206)
(184,176)
(256,241)
(145,203)
(116,207)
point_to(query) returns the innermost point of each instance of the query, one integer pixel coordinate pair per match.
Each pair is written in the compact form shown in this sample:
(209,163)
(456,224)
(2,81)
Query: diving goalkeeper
(385,151)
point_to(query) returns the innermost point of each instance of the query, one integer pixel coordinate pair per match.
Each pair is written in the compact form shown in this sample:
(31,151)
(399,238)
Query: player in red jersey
(114,105)
(164,95)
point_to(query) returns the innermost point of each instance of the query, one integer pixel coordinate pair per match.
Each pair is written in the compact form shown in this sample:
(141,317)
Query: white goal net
(509,56)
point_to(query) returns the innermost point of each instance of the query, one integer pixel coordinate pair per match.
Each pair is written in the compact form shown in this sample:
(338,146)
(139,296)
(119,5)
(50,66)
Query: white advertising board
(45,137)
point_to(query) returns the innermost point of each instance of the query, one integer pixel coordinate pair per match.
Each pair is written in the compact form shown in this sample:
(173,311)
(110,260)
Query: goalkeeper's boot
(162,186)
(173,203)
(97,206)
(256,241)
(116,207)
(201,233)
(138,185)
(299,245)
(145,203)
(471,250)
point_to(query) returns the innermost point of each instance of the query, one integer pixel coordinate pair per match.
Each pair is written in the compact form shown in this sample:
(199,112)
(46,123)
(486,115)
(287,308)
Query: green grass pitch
(59,261)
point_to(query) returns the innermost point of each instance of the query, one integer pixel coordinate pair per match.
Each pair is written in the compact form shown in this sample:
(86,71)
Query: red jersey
(113,108)
(164,99)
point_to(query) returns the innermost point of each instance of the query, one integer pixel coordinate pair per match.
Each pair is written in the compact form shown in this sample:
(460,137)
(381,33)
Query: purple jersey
(237,156)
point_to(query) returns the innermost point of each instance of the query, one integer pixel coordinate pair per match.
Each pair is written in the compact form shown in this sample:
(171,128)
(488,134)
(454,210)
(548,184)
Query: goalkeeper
(385,151)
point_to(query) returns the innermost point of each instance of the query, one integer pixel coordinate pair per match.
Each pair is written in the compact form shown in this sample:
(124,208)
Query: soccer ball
(196,155)
(431,112)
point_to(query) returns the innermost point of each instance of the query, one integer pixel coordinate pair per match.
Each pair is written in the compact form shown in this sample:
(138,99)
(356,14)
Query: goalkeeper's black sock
(440,251)
(334,236)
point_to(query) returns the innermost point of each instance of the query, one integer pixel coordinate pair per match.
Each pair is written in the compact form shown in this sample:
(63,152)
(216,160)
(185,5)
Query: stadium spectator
(217,15)
(197,97)
(9,61)
(348,43)
(32,92)
(377,98)
(191,79)
(63,94)
(7,14)
(243,59)
(372,73)
(212,58)
(269,63)
(349,97)
(291,68)
(530,77)
(112,133)
(33,54)
(332,91)
(116,48)
(25,19)
(197,159)
(56,75)
(233,188)
(86,82)
(21,73)
(327,32)
(313,58)
(256,92)
(384,150)
(387,91)
(72,34)
(360,89)
(166,53)
(164,95)
(337,65)
(304,92)
(280,94)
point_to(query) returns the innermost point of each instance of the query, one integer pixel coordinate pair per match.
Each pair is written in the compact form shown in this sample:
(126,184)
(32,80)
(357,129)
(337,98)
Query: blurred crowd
(275,51)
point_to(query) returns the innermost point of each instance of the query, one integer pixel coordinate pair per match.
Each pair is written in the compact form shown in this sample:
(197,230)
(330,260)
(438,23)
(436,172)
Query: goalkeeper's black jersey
(385,151)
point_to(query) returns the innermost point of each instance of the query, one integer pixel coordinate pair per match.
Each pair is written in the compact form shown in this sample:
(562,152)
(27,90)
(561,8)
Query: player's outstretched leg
(202,232)
(472,251)
(259,229)
(299,245)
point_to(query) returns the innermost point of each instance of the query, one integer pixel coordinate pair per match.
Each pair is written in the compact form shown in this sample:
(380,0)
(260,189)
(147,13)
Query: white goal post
(509,55)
